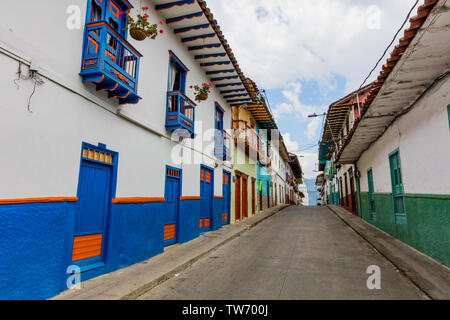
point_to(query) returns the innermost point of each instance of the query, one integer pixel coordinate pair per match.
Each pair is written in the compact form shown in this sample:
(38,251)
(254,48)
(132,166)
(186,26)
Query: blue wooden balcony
(222,146)
(180,113)
(110,62)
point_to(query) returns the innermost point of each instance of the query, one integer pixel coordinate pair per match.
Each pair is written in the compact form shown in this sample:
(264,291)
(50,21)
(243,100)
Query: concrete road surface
(300,253)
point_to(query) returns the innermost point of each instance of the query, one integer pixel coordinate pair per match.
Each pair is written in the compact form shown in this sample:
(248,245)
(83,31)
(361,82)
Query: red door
(237,207)
(244,197)
(253,196)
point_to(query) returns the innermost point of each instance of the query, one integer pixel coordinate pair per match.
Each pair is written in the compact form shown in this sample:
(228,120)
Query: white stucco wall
(423,138)
(40,154)
(341,175)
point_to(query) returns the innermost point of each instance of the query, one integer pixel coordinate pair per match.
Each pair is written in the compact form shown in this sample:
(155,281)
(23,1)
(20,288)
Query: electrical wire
(390,44)
(267,100)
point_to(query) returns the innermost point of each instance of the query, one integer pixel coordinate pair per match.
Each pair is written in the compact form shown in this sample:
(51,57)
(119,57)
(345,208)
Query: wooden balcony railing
(222,148)
(246,135)
(110,62)
(180,112)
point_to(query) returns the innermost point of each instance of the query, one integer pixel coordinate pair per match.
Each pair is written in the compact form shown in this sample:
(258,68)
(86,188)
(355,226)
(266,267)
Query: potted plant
(201,93)
(141,29)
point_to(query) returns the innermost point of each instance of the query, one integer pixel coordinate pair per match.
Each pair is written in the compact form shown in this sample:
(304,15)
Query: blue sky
(307,54)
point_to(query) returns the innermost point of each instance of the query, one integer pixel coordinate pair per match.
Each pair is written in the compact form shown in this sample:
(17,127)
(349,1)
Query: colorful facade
(340,184)
(399,146)
(108,157)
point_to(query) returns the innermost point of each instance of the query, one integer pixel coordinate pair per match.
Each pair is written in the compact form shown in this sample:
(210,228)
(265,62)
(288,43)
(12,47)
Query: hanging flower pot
(140,28)
(138,34)
(202,93)
(202,97)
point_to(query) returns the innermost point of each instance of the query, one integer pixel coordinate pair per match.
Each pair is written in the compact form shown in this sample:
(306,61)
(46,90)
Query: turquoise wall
(263,175)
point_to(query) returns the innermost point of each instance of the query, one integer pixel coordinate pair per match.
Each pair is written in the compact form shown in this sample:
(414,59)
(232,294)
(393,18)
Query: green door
(397,188)
(371,195)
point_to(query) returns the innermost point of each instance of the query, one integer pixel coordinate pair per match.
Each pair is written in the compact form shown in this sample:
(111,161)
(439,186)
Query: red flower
(191,87)
(160,21)
(210,84)
(161,31)
(146,8)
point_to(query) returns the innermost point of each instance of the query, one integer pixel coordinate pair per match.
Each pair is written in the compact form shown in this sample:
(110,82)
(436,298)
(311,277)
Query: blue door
(206,194)
(95,191)
(226,197)
(172,195)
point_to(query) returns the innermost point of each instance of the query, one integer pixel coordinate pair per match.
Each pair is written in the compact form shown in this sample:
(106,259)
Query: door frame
(253,196)
(244,196)
(204,167)
(237,197)
(101,147)
(227,207)
(180,192)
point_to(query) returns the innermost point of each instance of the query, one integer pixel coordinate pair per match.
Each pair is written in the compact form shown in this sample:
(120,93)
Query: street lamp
(314,115)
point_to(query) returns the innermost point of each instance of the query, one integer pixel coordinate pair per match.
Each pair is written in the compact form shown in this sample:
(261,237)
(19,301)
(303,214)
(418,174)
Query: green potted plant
(202,93)
(140,28)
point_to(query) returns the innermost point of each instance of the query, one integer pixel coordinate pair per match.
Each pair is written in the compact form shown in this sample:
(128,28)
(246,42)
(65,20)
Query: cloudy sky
(307,54)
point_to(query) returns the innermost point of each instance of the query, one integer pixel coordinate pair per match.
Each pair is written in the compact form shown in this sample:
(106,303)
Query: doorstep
(131,282)
(430,276)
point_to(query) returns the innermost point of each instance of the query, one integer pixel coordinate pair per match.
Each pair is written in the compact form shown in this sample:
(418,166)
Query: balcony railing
(110,62)
(246,135)
(262,153)
(222,148)
(180,112)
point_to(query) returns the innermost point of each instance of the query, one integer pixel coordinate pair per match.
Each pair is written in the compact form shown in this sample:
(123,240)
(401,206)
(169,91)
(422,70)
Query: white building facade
(89,113)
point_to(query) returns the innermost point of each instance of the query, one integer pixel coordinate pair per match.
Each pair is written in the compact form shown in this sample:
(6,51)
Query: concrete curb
(170,274)
(428,275)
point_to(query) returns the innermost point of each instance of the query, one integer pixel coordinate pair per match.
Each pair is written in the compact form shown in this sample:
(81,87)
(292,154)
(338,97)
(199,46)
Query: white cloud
(312,128)
(277,42)
(291,145)
(280,44)
(293,107)
(308,160)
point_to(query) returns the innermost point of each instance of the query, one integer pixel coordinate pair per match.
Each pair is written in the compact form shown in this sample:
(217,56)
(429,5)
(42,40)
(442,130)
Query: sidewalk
(130,283)
(430,276)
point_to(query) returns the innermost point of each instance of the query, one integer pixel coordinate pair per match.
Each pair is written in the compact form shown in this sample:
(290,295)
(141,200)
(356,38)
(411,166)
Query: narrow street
(299,253)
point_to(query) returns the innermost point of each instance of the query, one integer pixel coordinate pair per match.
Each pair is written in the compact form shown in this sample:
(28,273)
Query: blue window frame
(180,109)
(222,140)
(177,74)
(108,60)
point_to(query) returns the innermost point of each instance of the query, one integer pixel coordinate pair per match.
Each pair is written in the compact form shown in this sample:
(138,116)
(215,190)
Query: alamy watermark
(374,280)
(74,280)
(373,21)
